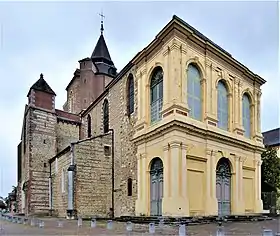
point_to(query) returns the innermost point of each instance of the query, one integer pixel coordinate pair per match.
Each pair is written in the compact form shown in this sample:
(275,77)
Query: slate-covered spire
(101,51)
(101,56)
(42,85)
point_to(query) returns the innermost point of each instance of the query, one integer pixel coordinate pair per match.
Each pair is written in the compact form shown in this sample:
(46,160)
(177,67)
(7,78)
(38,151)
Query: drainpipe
(50,191)
(71,170)
(113,172)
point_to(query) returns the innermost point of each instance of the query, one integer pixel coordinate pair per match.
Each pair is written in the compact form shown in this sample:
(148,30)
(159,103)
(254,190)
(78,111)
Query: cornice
(176,125)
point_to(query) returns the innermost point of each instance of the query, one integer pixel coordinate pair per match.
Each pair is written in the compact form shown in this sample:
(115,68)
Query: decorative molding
(183,49)
(242,159)
(166,51)
(175,144)
(184,146)
(196,158)
(166,147)
(208,62)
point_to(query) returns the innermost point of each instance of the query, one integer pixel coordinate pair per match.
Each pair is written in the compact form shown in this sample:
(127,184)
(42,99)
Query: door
(156,187)
(223,187)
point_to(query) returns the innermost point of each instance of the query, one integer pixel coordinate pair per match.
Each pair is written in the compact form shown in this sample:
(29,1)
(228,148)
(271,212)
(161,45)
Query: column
(259,112)
(166,171)
(204,97)
(241,196)
(174,67)
(144,92)
(141,204)
(166,76)
(184,171)
(237,183)
(236,103)
(230,113)
(258,200)
(175,169)
(139,95)
(184,89)
(240,121)
(139,177)
(208,93)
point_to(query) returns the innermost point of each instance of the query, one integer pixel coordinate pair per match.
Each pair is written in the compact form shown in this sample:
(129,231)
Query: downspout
(113,172)
(50,190)
(71,169)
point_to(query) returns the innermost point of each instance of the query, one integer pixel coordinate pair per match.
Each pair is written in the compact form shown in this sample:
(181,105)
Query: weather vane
(102,17)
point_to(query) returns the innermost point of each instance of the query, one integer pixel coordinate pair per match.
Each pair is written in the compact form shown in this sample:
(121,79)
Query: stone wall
(66,133)
(125,151)
(42,148)
(93,179)
(59,180)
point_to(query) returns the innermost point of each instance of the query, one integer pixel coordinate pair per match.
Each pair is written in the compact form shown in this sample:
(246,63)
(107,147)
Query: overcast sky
(50,38)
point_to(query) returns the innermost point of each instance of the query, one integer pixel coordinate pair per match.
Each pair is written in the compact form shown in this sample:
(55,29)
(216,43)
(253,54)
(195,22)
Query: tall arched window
(156,90)
(88,126)
(106,116)
(194,91)
(246,115)
(222,107)
(130,95)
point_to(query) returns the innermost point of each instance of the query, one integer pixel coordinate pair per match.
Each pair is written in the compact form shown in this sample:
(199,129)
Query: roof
(271,137)
(41,85)
(68,116)
(101,51)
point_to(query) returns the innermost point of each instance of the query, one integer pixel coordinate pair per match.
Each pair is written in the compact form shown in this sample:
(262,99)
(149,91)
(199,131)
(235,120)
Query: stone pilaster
(258,200)
(241,194)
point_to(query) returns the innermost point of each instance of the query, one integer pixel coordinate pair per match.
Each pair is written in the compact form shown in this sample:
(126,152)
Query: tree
(270,168)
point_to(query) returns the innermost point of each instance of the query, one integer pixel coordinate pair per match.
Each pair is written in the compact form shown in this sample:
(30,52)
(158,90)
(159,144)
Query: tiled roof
(272,137)
(67,115)
(42,85)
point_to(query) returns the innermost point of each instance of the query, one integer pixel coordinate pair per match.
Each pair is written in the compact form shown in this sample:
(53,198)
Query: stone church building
(176,132)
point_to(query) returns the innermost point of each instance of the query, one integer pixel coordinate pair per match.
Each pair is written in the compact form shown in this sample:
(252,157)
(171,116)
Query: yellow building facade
(198,133)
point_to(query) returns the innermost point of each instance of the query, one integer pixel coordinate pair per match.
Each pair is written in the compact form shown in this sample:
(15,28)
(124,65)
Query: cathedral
(176,132)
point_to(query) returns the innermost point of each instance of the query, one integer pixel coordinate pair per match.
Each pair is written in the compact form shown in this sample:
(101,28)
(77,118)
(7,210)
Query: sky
(50,38)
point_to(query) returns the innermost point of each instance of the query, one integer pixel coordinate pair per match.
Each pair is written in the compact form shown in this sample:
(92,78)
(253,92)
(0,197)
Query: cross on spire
(102,17)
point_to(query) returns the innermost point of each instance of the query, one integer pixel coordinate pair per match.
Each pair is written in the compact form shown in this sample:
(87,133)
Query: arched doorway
(156,186)
(223,187)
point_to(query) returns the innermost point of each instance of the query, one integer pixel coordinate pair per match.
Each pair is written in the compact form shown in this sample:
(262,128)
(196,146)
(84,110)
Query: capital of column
(142,155)
(175,144)
(242,159)
(166,147)
(166,51)
(210,152)
(258,162)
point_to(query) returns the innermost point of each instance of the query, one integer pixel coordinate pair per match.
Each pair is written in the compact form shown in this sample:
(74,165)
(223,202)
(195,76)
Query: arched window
(88,126)
(156,91)
(106,116)
(222,106)
(246,115)
(129,187)
(194,91)
(130,95)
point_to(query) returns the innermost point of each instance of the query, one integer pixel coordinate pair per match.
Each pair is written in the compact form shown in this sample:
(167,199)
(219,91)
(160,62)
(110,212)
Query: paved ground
(71,228)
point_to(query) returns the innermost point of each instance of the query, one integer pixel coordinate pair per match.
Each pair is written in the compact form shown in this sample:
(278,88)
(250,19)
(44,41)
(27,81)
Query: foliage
(270,168)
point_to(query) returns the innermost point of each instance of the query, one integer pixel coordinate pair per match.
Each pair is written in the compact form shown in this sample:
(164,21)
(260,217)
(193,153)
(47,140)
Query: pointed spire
(42,85)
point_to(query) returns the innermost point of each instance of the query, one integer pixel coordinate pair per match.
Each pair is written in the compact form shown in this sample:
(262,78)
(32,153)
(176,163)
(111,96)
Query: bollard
(59,224)
(93,223)
(129,226)
(110,224)
(32,223)
(80,221)
(182,230)
(152,228)
(267,232)
(161,223)
(41,224)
